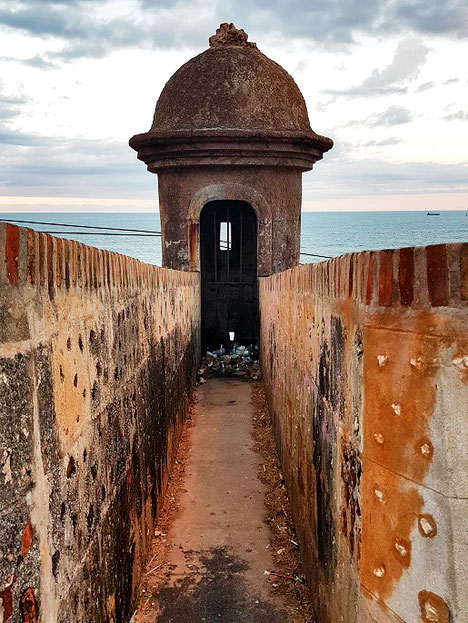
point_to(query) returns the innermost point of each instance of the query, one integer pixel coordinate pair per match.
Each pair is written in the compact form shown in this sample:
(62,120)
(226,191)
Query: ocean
(323,233)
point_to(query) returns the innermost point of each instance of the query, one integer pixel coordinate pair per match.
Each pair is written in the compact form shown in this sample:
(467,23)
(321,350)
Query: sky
(386,79)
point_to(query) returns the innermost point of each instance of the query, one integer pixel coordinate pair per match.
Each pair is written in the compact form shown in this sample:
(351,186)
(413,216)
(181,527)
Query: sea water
(322,233)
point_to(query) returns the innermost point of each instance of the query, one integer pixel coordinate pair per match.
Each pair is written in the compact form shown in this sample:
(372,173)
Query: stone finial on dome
(228,34)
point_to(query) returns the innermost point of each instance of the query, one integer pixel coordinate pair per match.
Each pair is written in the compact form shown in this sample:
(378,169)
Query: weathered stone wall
(365,360)
(97,356)
(273,192)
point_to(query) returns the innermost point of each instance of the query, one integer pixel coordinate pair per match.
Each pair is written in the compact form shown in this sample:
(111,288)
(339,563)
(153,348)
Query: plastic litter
(240,361)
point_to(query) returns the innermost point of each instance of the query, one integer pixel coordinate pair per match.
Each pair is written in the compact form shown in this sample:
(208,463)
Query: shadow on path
(211,559)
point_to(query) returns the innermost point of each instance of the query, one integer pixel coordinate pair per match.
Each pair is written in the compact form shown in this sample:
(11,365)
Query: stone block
(385,277)
(406,276)
(437,274)
(16,429)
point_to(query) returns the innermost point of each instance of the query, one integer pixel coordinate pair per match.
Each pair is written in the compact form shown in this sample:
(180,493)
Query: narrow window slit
(225,236)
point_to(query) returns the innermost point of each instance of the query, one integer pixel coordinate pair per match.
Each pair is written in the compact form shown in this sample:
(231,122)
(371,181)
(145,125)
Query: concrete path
(219,543)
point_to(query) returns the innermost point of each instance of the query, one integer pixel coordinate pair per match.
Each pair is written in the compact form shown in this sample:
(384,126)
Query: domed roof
(230,105)
(231,86)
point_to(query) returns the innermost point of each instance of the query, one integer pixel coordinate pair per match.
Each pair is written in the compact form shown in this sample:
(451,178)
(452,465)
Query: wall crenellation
(41,259)
(365,360)
(98,354)
(418,277)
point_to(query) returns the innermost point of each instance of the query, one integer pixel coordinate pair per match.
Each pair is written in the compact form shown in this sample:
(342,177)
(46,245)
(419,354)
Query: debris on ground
(295,576)
(239,361)
(289,575)
(157,567)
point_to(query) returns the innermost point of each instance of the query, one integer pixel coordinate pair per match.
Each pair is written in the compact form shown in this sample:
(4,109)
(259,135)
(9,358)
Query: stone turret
(231,125)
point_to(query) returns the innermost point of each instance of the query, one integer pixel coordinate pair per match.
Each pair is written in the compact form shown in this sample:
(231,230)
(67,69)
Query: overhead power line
(101,233)
(328,257)
(144,231)
(108,231)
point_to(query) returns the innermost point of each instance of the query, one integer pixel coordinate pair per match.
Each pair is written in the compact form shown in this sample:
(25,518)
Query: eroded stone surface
(222,112)
(90,408)
(366,383)
(228,34)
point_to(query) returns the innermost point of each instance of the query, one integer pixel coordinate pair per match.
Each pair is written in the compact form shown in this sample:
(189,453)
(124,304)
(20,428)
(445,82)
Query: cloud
(341,174)
(393,140)
(461,115)
(341,22)
(47,19)
(7,112)
(302,65)
(54,166)
(71,29)
(410,56)
(10,104)
(94,28)
(347,177)
(425,86)
(36,61)
(86,34)
(393,115)
(18,98)
(333,21)
(66,3)
(430,85)
(430,16)
(15,137)
(93,34)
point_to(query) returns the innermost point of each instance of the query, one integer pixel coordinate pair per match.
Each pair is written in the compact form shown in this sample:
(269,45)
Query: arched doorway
(228,262)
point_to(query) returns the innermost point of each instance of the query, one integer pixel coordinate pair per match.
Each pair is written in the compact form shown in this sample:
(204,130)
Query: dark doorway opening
(228,258)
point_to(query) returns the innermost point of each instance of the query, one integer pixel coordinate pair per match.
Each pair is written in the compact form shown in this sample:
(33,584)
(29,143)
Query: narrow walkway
(217,548)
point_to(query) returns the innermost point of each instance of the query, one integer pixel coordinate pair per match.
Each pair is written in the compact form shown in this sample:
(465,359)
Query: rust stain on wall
(433,608)
(50,265)
(400,396)
(370,278)
(31,263)
(42,259)
(365,379)
(27,538)
(406,275)
(385,278)
(437,274)
(29,607)
(6,602)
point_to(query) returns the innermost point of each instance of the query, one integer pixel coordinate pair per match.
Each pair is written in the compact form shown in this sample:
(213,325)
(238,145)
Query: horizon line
(129,211)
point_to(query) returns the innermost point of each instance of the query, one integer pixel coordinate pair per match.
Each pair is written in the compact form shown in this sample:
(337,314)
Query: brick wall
(365,359)
(98,353)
